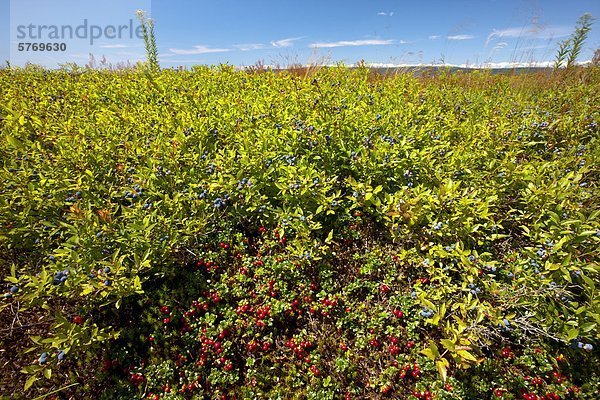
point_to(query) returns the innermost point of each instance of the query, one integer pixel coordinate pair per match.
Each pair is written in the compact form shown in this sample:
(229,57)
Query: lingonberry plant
(341,235)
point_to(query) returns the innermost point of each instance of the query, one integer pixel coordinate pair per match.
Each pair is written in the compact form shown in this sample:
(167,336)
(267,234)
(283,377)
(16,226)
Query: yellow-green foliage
(467,201)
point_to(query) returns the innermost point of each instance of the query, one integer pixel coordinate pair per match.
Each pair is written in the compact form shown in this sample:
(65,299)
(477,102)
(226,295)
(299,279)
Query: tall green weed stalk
(147,25)
(569,49)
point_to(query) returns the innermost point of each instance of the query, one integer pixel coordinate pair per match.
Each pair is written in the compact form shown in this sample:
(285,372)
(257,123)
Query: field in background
(313,233)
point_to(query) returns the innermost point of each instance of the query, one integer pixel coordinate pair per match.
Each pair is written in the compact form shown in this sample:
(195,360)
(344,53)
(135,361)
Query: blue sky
(473,32)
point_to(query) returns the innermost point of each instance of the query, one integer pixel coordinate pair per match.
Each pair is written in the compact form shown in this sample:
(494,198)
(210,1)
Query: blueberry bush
(338,234)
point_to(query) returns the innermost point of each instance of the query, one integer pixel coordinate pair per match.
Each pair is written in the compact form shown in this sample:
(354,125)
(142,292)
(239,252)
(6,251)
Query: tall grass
(569,49)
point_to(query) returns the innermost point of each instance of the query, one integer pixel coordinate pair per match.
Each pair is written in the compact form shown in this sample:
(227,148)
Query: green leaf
(434,350)
(14,142)
(442,368)
(448,344)
(589,282)
(428,353)
(552,266)
(588,326)
(329,237)
(47,373)
(466,355)
(29,382)
(572,334)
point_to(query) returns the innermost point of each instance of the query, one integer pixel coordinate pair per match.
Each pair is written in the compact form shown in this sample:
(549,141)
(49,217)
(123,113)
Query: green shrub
(211,233)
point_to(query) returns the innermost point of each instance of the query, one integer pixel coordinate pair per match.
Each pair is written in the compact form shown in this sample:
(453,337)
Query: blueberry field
(307,234)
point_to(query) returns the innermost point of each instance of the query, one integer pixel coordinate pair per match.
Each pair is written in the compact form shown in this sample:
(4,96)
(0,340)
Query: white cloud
(289,42)
(460,37)
(113,46)
(510,64)
(179,62)
(249,46)
(533,31)
(342,43)
(434,37)
(505,64)
(386,14)
(500,46)
(200,49)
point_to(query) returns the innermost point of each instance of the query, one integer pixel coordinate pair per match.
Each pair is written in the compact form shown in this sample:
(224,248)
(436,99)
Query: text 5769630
(34,46)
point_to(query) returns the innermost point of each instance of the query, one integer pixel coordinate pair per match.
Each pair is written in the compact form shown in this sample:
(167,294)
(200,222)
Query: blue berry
(541,252)
(14,289)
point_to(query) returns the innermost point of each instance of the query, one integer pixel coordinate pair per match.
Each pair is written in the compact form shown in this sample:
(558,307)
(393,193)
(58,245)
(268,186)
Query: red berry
(506,352)
(165,310)
(106,364)
(416,372)
(315,370)
(78,319)
(398,313)
(224,333)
